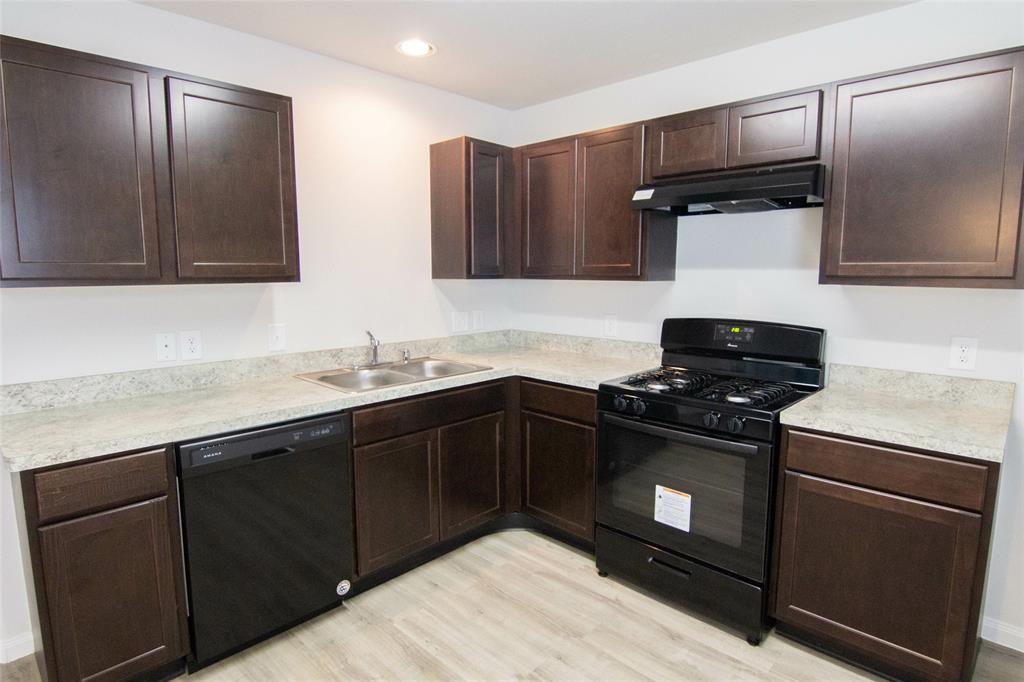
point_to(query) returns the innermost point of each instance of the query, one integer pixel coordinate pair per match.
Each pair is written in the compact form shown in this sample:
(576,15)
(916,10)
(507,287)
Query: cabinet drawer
(569,403)
(959,484)
(86,488)
(418,414)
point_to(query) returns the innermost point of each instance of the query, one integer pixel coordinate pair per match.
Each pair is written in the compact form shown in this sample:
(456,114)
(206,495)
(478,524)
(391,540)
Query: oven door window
(700,496)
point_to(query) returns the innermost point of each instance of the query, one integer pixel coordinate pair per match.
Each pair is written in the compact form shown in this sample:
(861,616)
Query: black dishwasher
(267,526)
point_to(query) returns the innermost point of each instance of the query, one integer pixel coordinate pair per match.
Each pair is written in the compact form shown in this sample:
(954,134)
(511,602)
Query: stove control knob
(639,407)
(620,404)
(735,424)
(710,420)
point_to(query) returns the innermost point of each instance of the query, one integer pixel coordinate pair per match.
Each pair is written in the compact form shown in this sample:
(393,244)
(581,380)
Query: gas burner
(745,392)
(670,380)
(738,398)
(657,386)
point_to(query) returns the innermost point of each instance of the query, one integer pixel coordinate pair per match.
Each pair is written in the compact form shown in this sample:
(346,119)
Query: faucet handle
(405,355)
(374,341)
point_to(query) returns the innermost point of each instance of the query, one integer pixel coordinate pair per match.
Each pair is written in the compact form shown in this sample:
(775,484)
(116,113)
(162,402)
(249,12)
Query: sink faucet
(374,347)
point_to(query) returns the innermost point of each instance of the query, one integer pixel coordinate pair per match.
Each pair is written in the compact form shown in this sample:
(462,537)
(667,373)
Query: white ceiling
(515,54)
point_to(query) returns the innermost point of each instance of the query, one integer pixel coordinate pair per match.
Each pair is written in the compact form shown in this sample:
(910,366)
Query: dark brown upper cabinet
(119,173)
(775,130)
(607,228)
(548,171)
(926,177)
(472,210)
(693,142)
(79,187)
(234,182)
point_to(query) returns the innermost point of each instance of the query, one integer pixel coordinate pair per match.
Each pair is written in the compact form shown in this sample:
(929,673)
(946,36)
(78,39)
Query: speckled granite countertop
(952,415)
(44,437)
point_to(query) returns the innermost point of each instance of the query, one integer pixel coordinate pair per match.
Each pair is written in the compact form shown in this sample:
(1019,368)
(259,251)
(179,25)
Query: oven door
(700,496)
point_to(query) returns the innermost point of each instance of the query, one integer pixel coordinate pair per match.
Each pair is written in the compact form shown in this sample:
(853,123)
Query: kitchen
(362,139)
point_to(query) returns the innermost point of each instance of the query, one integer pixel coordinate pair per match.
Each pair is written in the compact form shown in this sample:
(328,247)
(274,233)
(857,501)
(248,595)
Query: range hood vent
(749,191)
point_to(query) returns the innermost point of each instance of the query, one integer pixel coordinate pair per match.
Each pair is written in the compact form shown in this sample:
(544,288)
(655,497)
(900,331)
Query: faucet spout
(374,347)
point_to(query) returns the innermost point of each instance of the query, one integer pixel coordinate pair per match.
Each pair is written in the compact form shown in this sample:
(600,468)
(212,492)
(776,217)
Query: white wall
(765,266)
(361,140)
(361,155)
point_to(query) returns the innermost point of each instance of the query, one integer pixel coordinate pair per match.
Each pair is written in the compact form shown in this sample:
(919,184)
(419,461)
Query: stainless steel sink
(359,379)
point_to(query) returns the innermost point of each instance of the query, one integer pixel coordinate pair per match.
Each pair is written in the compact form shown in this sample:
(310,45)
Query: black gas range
(687,456)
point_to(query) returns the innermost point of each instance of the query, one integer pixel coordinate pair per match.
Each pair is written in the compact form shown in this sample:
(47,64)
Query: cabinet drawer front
(776,130)
(417,414)
(929,478)
(888,576)
(687,143)
(85,488)
(64,119)
(569,403)
(927,172)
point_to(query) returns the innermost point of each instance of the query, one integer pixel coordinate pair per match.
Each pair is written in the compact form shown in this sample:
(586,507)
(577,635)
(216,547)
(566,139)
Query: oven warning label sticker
(672,507)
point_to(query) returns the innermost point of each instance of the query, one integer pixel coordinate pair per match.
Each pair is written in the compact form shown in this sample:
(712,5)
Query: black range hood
(748,191)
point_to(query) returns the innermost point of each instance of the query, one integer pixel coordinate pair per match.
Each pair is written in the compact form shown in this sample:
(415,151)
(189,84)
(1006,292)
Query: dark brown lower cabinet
(866,568)
(559,451)
(107,567)
(413,490)
(396,499)
(470,472)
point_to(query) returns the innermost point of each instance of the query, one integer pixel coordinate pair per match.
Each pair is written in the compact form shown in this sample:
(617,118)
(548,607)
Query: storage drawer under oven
(728,599)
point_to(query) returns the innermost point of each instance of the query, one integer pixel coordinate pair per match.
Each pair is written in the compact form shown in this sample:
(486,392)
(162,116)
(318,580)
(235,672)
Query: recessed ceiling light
(414,47)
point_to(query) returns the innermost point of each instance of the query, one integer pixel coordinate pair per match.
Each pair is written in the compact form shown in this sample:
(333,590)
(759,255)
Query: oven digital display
(734,334)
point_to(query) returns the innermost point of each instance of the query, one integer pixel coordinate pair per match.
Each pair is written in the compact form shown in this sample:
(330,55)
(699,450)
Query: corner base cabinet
(106,561)
(881,553)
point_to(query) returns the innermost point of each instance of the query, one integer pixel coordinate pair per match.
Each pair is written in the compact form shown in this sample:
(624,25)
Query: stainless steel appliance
(687,457)
(267,529)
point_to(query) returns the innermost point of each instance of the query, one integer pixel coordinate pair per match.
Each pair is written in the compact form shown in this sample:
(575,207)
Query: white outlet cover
(166,347)
(460,321)
(479,320)
(611,325)
(277,339)
(191,344)
(963,353)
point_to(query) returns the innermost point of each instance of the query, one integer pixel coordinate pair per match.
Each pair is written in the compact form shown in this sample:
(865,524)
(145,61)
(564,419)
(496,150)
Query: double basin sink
(359,379)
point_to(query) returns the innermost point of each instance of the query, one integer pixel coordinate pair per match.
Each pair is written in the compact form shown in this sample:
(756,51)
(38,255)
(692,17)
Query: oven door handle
(745,449)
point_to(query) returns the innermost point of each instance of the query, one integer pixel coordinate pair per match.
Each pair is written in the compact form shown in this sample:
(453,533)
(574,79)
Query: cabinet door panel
(549,183)
(927,172)
(79,196)
(607,228)
(234,185)
(470,472)
(686,143)
(110,586)
(490,169)
(558,460)
(776,130)
(884,574)
(396,499)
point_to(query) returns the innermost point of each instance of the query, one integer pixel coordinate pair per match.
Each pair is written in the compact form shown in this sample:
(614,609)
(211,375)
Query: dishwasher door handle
(276,452)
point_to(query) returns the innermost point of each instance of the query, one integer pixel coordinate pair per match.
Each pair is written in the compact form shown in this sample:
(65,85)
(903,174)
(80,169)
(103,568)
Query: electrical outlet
(460,321)
(191,343)
(963,352)
(479,320)
(611,325)
(166,348)
(276,339)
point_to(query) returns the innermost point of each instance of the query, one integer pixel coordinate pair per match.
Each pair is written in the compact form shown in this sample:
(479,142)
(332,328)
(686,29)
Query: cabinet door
(686,143)
(775,130)
(548,196)
(234,183)
(607,228)
(927,173)
(470,454)
(886,575)
(490,200)
(113,605)
(558,461)
(396,499)
(78,184)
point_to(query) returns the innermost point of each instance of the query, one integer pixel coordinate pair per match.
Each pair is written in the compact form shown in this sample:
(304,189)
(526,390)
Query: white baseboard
(1003,634)
(16,647)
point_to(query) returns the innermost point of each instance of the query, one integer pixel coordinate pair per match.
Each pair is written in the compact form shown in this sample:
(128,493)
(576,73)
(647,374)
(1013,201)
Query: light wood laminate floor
(518,605)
